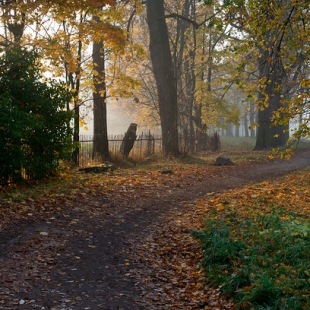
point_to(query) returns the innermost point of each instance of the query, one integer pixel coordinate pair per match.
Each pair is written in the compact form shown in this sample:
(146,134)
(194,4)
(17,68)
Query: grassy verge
(256,244)
(240,143)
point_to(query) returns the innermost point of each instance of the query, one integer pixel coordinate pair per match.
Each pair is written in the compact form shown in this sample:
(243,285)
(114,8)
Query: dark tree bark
(237,131)
(270,135)
(185,75)
(101,144)
(17,29)
(178,53)
(201,128)
(76,130)
(13,20)
(75,85)
(246,125)
(252,119)
(164,75)
(73,80)
(129,139)
(273,50)
(229,130)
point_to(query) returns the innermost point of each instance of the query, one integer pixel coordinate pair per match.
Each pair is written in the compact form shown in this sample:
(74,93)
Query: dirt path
(82,258)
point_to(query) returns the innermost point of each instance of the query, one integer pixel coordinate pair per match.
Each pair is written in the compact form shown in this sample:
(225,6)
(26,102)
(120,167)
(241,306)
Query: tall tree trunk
(190,82)
(73,81)
(246,125)
(237,131)
(201,128)
(164,75)
(75,85)
(178,53)
(101,145)
(270,135)
(191,85)
(229,130)
(182,72)
(252,119)
(76,130)
(13,20)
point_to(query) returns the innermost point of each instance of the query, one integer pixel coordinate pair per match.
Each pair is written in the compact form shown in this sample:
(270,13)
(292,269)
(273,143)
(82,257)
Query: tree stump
(129,139)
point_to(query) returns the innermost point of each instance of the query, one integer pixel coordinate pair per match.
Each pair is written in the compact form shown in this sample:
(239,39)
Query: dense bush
(35,129)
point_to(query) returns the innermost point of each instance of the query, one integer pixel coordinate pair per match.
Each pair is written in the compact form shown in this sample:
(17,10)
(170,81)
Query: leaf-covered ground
(175,256)
(123,240)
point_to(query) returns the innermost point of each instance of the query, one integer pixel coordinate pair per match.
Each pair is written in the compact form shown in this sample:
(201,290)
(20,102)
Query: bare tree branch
(132,14)
(190,21)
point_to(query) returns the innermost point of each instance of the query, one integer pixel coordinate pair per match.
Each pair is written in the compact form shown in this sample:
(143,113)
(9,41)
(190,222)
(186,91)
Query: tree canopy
(196,68)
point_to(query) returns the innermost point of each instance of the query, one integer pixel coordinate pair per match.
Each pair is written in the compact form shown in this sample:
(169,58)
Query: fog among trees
(189,68)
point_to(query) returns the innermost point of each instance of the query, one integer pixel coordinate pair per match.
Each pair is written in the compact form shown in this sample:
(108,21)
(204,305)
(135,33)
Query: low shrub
(263,261)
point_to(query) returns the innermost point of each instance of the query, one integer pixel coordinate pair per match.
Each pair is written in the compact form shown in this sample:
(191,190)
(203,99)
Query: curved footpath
(84,263)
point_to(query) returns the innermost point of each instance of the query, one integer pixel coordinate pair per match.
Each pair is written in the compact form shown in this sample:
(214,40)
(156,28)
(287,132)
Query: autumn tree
(100,146)
(183,58)
(195,38)
(164,75)
(109,81)
(63,33)
(272,42)
(139,91)
(53,33)
(201,61)
(101,25)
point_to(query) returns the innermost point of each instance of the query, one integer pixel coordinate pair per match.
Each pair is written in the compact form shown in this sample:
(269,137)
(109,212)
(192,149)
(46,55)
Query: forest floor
(119,240)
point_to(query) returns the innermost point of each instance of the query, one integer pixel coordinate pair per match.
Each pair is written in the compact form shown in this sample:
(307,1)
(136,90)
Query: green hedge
(35,131)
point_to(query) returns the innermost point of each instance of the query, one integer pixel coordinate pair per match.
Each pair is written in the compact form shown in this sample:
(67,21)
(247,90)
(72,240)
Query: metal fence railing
(144,146)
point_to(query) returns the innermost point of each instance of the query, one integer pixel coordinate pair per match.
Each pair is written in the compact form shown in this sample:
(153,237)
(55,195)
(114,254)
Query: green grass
(237,144)
(303,145)
(262,261)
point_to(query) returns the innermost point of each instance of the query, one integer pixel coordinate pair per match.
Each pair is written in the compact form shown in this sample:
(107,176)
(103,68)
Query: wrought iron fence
(144,146)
